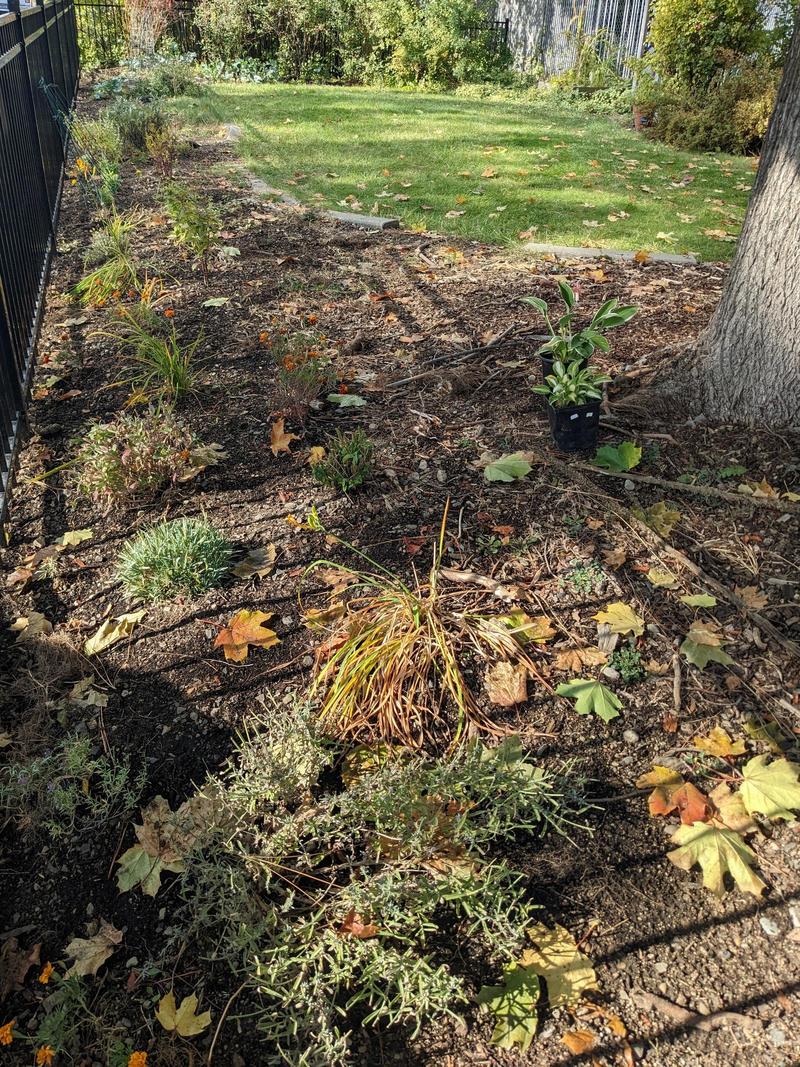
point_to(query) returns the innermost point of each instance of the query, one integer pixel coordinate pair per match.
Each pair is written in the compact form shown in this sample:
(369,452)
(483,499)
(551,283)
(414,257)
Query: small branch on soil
(452,357)
(504,592)
(701,490)
(676,682)
(222,1019)
(651,1002)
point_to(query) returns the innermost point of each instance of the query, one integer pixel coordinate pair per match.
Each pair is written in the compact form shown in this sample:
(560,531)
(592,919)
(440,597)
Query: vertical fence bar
(36,44)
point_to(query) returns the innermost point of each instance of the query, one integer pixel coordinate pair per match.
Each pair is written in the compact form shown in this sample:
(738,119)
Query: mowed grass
(490,169)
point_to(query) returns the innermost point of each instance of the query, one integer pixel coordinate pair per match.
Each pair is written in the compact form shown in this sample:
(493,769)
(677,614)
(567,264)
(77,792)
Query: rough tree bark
(747,367)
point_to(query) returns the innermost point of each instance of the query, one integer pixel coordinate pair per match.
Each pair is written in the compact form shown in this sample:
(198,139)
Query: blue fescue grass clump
(183,556)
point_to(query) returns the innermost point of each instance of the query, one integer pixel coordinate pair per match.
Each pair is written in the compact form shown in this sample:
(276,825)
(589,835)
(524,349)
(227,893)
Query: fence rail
(38,46)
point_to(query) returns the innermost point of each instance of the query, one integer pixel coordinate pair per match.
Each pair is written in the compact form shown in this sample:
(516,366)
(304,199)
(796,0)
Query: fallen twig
(651,1002)
(452,357)
(702,490)
(504,592)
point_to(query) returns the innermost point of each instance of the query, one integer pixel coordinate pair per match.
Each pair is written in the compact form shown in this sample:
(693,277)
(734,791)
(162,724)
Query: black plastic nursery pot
(575,429)
(547,365)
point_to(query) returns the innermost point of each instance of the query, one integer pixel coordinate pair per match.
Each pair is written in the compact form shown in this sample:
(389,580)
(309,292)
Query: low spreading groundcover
(491,169)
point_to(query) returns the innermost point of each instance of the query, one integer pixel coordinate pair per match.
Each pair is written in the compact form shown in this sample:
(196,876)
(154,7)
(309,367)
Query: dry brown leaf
(91,953)
(507,684)
(614,557)
(579,1041)
(280,440)
(15,962)
(575,659)
(245,628)
(752,596)
(354,926)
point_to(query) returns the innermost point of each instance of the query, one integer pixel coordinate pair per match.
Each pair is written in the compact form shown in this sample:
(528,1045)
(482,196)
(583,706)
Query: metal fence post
(13,5)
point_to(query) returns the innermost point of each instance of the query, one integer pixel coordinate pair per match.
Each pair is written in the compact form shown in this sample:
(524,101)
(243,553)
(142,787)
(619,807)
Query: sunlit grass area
(491,169)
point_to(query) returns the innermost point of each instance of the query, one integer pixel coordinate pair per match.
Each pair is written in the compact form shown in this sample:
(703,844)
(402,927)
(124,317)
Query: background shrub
(134,121)
(690,37)
(184,556)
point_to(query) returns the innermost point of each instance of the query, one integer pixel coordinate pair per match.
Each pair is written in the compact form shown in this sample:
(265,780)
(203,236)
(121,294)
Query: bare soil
(388,303)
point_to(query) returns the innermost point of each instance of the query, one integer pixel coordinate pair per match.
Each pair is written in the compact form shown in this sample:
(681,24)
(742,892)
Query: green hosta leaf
(699,600)
(536,302)
(513,1006)
(591,696)
(346,400)
(622,458)
(509,468)
(771,789)
(717,851)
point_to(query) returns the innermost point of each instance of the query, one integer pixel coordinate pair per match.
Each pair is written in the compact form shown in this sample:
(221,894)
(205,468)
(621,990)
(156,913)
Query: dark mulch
(387,303)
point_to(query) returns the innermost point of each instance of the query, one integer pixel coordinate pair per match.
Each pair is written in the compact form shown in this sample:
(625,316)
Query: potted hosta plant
(573,393)
(568,345)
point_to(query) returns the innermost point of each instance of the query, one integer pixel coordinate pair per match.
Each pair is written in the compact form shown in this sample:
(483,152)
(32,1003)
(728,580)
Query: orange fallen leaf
(245,628)
(579,1041)
(279,439)
(354,926)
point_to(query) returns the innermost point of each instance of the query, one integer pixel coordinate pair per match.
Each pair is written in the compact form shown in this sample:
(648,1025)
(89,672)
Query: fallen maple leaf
(280,440)
(718,743)
(752,596)
(182,1019)
(111,631)
(591,696)
(513,1006)
(729,811)
(771,789)
(15,962)
(621,619)
(354,926)
(245,628)
(525,628)
(258,563)
(717,851)
(575,659)
(614,557)
(29,626)
(507,684)
(556,957)
(91,953)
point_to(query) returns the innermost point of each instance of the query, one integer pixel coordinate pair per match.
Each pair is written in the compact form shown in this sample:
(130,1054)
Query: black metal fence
(38,45)
(102,34)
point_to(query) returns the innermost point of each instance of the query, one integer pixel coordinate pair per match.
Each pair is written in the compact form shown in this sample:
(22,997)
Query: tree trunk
(749,367)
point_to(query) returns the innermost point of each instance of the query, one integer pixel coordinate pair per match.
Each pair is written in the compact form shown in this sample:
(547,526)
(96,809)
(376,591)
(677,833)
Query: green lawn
(490,169)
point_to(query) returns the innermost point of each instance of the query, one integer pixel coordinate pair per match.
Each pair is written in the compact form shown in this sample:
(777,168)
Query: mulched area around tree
(390,307)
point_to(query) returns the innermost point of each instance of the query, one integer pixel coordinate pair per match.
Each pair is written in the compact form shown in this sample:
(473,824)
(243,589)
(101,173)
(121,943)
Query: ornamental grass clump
(185,556)
(347,462)
(394,665)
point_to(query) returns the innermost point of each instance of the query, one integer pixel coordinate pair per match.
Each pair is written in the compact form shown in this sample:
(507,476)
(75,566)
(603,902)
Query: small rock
(441,476)
(90,909)
(629,485)
(638,1050)
(308,661)
(777,1036)
(611,673)
(630,737)
(769,926)
(702,1008)
(132,962)
(661,967)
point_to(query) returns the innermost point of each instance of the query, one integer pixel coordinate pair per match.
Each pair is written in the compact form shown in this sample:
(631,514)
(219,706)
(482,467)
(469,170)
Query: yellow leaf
(280,439)
(556,958)
(621,619)
(113,630)
(91,953)
(316,454)
(184,1019)
(524,627)
(718,743)
(29,626)
(661,578)
(318,618)
(718,852)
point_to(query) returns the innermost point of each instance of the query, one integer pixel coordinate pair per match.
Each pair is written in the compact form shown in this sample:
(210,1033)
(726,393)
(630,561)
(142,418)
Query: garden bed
(385,305)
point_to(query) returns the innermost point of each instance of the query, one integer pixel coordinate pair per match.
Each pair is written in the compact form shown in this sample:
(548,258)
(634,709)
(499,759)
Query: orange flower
(169,313)
(311,319)
(47,971)
(289,363)
(263,337)
(6,1036)
(44,1056)
(116,294)
(138,1059)
(343,389)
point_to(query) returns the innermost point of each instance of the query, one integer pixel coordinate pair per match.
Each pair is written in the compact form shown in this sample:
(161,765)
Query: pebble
(661,967)
(132,962)
(441,476)
(629,485)
(287,620)
(777,1036)
(611,673)
(630,737)
(308,661)
(90,909)
(769,926)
